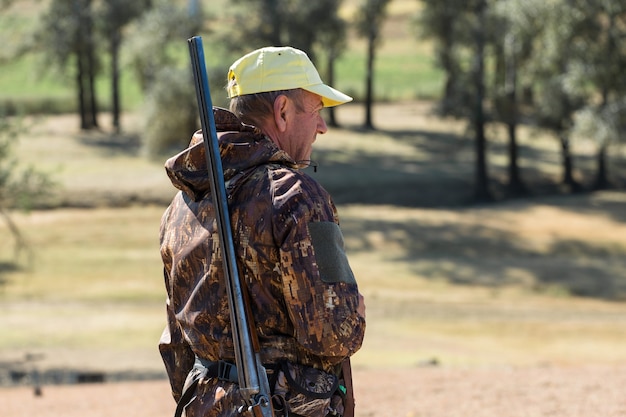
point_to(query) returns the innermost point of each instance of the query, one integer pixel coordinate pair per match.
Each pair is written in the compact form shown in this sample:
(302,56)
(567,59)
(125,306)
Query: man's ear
(281,107)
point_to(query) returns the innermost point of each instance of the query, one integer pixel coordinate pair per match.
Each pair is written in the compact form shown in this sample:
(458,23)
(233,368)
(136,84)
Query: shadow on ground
(111,144)
(446,177)
(483,256)
(6,267)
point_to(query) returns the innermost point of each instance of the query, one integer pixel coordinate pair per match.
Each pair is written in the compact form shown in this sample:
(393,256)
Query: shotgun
(253,382)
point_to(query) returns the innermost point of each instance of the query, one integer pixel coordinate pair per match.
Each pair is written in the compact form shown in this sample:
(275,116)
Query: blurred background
(479,173)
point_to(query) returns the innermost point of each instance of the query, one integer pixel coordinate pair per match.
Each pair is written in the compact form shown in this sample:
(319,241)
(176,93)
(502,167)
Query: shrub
(171,113)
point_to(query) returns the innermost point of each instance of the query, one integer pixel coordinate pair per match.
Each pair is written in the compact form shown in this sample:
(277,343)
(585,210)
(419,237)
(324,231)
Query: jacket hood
(242,149)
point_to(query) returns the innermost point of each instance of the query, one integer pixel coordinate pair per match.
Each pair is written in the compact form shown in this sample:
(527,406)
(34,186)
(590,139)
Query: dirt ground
(416,392)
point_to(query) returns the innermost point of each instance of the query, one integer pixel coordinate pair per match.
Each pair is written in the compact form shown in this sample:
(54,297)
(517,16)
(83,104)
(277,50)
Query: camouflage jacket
(290,256)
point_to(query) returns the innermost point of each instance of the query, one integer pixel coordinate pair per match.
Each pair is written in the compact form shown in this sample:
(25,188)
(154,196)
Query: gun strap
(224,371)
(187,397)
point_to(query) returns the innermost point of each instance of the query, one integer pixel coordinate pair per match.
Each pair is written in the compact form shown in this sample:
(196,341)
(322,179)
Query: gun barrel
(255,390)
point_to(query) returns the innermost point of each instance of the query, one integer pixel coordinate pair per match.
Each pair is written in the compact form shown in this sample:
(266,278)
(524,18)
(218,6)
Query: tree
(314,27)
(553,55)
(445,23)
(153,47)
(301,24)
(463,46)
(258,23)
(155,39)
(332,40)
(67,36)
(481,183)
(369,20)
(605,123)
(509,112)
(72,37)
(20,187)
(112,16)
(517,31)
(576,66)
(597,72)
(170,112)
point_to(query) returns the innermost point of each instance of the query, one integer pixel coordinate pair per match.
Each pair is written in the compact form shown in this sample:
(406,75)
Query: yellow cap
(279,68)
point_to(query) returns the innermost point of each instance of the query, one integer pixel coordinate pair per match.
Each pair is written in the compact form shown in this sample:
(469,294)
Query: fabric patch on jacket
(331,258)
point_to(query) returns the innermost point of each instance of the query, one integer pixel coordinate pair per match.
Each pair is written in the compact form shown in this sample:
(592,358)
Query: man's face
(303,126)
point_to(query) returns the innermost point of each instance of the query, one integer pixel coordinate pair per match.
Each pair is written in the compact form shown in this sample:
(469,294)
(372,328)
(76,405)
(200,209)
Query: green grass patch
(27,77)
(26,88)
(397,75)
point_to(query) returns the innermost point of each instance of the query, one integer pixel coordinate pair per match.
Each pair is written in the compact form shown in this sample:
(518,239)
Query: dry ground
(416,392)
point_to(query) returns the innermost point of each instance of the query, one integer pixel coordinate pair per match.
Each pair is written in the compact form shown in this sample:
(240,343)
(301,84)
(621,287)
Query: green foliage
(171,113)
(156,49)
(113,15)
(568,53)
(453,26)
(575,64)
(597,70)
(370,17)
(604,124)
(19,186)
(158,40)
(303,24)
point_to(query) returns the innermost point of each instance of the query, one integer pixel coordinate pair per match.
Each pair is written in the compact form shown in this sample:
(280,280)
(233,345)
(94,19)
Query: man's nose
(321,126)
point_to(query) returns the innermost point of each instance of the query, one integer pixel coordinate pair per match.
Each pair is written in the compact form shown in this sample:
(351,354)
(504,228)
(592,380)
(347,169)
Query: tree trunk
(449,66)
(85,67)
(115,76)
(601,182)
(369,78)
(330,76)
(80,67)
(91,63)
(568,165)
(515,185)
(84,125)
(481,186)
(93,106)
(274,18)
(447,106)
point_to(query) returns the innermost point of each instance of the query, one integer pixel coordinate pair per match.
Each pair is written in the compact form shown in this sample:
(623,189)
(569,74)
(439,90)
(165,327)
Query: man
(308,313)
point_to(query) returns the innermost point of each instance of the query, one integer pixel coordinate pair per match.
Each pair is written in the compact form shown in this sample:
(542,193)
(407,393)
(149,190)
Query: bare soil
(416,392)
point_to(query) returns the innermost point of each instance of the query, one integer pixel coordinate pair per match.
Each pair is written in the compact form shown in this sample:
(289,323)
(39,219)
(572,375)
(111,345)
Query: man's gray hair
(253,109)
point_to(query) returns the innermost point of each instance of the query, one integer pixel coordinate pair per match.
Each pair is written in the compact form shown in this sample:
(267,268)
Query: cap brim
(330,96)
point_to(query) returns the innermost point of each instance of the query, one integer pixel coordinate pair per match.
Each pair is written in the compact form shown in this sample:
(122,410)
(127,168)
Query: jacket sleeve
(177,356)
(319,288)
